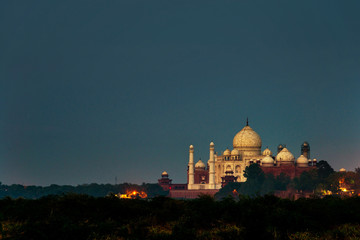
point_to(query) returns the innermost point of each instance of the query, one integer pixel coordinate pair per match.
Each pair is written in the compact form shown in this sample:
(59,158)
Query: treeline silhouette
(78,216)
(94,189)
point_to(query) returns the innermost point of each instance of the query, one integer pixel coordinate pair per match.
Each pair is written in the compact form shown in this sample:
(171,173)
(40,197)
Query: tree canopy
(83,217)
(324,169)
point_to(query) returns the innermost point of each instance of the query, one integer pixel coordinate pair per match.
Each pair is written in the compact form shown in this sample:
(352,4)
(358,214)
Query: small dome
(212,144)
(227,152)
(164,173)
(235,152)
(267,152)
(342,170)
(191,146)
(200,164)
(285,156)
(267,160)
(302,160)
(247,138)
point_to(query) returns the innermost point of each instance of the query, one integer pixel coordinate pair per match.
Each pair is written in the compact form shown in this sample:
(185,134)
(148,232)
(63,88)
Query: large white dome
(247,138)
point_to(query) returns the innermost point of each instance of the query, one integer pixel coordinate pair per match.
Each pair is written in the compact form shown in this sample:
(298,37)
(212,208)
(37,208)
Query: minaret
(191,167)
(212,167)
(305,150)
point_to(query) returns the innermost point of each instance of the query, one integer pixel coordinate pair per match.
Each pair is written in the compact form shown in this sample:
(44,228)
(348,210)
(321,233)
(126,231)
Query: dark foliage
(94,189)
(281,182)
(231,190)
(74,216)
(307,181)
(324,169)
(257,184)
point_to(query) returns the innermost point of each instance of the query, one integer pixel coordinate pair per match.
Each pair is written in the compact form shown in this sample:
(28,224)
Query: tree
(230,190)
(268,186)
(307,181)
(343,180)
(255,178)
(281,182)
(324,169)
(351,181)
(254,173)
(154,189)
(332,182)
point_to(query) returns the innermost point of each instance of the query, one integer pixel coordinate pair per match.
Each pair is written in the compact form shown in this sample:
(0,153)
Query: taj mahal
(230,165)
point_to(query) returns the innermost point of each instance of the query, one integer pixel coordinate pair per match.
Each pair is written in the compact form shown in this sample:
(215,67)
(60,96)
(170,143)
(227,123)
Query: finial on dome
(247,121)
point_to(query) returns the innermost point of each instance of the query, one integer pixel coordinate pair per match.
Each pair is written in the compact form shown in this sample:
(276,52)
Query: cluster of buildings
(229,166)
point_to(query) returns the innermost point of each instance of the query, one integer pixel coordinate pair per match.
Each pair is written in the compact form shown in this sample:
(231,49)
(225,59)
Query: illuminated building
(229,166)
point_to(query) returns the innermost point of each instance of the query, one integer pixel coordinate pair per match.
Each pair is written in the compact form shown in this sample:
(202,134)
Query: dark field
(74,216)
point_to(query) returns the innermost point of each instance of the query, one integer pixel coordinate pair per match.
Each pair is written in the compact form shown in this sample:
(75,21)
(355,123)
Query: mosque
(229,166)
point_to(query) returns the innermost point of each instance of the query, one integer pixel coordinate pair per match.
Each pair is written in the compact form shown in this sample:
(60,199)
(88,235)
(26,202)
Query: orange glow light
(133,194)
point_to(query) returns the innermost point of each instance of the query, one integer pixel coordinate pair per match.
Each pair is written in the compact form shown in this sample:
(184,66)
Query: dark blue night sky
(93,90)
